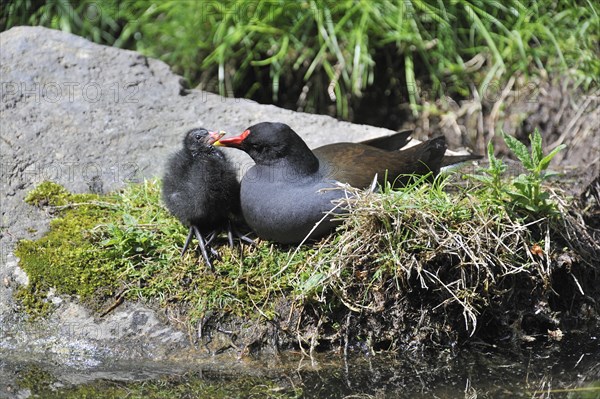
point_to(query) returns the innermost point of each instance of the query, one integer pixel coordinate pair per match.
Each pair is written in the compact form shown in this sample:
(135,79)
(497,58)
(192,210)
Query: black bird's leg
(232,231)
(212,235)
(202,244)
(247,240)
(187,241)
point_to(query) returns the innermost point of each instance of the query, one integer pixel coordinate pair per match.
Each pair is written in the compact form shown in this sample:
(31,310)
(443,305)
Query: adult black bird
(286,195)
(200,188)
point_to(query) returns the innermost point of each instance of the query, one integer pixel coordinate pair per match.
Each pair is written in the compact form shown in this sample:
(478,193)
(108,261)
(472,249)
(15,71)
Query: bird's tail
(454,159)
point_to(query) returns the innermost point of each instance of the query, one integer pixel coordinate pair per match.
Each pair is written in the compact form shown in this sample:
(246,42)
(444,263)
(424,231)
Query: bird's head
(269,143)
(200,140)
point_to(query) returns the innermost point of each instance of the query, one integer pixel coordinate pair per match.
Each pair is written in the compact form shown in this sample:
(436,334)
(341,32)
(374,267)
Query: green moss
(66,258)
(100,245)
(48,193)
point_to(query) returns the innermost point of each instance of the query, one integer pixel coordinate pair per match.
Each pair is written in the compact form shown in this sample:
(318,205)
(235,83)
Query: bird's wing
(390,142)
(357,164)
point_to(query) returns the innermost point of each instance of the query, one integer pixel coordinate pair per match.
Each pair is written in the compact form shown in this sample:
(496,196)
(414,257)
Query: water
(567,369)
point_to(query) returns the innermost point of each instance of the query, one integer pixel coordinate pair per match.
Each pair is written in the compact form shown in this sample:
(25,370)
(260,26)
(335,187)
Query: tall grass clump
(326,56)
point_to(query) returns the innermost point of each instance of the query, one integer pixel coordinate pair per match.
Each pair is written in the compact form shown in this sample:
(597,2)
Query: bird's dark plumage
(291,188)
(357,163)
(200,188)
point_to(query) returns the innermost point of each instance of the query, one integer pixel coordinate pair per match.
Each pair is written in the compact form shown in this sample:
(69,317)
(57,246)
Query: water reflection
(567,369)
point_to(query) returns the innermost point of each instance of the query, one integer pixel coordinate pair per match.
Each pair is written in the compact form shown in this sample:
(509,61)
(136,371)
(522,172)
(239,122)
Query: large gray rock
(81,114)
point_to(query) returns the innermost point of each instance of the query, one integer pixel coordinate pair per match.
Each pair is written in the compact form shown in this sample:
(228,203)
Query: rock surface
(93,118)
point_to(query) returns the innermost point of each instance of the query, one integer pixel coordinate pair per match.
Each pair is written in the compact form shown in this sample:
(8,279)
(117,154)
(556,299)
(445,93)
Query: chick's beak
(215,136)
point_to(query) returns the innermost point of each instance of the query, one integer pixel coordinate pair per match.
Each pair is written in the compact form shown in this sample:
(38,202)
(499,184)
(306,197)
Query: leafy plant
(524,193)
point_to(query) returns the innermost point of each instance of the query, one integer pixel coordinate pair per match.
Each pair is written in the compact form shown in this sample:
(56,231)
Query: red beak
(234,142)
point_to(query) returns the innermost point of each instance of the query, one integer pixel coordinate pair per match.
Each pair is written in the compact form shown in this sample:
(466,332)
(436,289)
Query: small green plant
(492,176)
(526,192)
(523,194)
